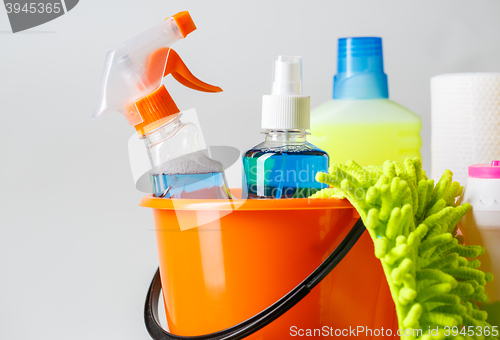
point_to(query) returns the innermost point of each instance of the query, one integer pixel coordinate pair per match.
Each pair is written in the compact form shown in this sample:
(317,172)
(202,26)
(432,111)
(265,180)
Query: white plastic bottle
(481,226)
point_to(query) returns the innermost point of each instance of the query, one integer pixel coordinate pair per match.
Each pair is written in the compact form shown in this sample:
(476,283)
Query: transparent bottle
(179,168)
(285,164)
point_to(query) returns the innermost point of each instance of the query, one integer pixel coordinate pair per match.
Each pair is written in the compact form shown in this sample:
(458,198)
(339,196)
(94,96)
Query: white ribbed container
(286,112)
(465,122)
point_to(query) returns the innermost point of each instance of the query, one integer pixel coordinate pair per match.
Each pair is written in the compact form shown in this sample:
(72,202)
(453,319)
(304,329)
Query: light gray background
(77,252)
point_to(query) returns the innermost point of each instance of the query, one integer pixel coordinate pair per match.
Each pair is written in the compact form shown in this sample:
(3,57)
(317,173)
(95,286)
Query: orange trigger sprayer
(156,107)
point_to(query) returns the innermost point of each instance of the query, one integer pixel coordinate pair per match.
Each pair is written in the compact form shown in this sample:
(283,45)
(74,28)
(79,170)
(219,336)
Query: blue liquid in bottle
(205,185)
(284,166)
(190,176)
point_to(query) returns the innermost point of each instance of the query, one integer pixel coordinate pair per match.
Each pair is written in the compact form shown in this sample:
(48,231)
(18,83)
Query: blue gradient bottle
(285,164)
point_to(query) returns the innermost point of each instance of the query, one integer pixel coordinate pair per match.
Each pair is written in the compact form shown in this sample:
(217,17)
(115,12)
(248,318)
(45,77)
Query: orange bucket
(237,257)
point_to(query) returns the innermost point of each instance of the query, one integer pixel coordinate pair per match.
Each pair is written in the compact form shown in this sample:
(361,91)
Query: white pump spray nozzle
(286,108)
(287,77)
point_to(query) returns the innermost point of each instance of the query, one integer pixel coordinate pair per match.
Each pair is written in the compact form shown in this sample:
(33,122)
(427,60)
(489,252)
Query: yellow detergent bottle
(361,123)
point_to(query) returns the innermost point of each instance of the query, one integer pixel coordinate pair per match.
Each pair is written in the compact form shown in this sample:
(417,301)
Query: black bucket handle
(263,318)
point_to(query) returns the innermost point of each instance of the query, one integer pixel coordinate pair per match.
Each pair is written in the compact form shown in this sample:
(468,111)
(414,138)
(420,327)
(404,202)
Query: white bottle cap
(286,108)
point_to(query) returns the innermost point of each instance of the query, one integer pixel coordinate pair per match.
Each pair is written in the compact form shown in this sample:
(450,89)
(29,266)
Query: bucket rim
(150,201)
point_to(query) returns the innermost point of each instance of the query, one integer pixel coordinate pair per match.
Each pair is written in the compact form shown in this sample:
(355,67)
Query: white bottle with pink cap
(481,226)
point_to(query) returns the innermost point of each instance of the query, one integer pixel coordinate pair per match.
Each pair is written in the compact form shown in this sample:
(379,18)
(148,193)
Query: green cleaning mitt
(433,277)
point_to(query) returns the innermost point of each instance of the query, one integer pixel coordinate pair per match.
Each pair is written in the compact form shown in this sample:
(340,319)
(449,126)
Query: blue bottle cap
(360,70)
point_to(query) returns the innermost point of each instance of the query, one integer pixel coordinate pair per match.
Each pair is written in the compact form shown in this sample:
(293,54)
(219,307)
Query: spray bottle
(285,164)
(132,85)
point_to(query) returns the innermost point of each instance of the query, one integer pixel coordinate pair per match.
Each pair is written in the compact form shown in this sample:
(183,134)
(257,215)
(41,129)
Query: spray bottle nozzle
(286,108)
(287,75)
(157,107)
(133,73)
(184,22)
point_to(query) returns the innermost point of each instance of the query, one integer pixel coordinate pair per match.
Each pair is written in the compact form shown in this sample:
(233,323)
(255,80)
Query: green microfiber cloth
(433,277)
